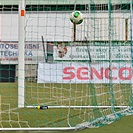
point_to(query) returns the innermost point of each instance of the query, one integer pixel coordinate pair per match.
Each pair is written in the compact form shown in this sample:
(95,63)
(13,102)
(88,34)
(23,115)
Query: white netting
(71,76)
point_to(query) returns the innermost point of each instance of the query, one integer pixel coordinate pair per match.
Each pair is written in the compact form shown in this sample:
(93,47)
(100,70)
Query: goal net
(60,75)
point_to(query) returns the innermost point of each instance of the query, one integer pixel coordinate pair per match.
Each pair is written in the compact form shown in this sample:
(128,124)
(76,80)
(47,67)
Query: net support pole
(21,46)
(110,53)
(74,32)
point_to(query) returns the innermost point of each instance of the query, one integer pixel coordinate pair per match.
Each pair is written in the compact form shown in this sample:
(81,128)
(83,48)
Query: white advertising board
(9,53)
(96,53)
(72,72)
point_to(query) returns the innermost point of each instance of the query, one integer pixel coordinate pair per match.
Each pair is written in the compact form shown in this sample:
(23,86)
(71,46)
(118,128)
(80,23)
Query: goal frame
(21,58)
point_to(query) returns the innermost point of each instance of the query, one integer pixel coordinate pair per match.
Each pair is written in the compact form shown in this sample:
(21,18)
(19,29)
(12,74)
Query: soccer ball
(76,17)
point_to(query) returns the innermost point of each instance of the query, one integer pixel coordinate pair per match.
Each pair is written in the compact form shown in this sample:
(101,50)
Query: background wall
(56,26)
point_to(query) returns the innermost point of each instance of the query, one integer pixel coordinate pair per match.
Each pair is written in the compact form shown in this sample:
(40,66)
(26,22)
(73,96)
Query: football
(76,17)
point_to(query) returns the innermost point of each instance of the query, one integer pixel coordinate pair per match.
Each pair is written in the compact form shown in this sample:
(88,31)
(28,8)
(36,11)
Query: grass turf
(35,118)
(125,125)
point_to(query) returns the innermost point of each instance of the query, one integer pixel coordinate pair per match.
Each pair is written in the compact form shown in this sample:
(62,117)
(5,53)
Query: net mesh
(80,74)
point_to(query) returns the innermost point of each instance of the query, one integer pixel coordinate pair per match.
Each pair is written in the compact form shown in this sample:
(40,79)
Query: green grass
(64,94)
(125,125)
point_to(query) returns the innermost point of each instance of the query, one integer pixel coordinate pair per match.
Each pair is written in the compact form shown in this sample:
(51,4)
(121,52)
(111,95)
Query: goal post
(68,76)
(21,54)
